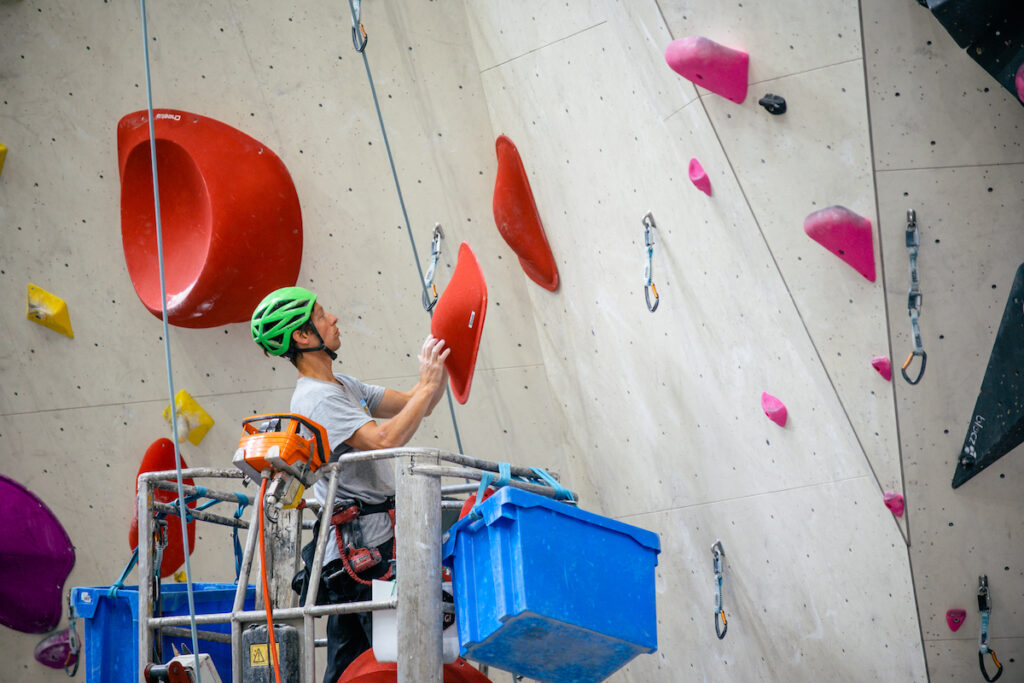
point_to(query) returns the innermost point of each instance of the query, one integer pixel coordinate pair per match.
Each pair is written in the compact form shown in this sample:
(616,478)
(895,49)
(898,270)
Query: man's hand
(432,357)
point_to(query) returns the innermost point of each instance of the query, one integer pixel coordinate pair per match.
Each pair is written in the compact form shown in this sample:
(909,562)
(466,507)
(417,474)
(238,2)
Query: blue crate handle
(561,493)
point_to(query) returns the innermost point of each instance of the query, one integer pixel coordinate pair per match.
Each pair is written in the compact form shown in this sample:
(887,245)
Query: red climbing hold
(1019,82)
(720,69)
(515,214)
(36,557)
(774,409)
(366,669)
(894,501)
(699,178)
(231,223)
(459,320)
(159,457)
(955,618)
(883,365)
(847,235)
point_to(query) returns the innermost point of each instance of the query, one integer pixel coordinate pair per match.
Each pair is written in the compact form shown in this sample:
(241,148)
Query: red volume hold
(515,214)
(459,320)
(230,217)
(158,458)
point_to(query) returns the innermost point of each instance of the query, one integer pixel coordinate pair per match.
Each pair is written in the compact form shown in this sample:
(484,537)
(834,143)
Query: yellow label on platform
(259,655)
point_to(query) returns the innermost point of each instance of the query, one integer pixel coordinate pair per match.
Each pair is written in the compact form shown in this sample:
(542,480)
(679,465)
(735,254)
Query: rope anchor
(649,287)
(428,279)
(985,607)
(718,553)
(914,300)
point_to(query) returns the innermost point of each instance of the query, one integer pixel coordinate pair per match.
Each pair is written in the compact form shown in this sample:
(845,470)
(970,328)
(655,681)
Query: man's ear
(299,336)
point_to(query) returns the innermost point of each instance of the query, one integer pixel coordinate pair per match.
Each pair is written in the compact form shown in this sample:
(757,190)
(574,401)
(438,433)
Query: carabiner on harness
(649,287)
(718,553)
(914,299)
(358,32)
(985,607)
(428,279)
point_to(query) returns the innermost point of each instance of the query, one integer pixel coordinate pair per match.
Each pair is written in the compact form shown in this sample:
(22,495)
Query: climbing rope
(914,299)
(428,279)
(985,606)
(167,345)
(359,40)
(649,226)
(718,553)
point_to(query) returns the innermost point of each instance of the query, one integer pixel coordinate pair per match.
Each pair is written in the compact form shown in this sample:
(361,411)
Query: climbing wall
(76,415)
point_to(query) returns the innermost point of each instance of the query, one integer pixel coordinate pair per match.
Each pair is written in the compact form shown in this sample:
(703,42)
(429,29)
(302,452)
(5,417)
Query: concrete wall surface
(654,418)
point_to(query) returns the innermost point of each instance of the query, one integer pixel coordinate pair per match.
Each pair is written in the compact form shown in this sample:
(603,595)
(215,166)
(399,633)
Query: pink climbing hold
(894,502)
(884,366)
(1019,81)
(955,618)
(720,69)
(847,235)
(774,409)
(699,177)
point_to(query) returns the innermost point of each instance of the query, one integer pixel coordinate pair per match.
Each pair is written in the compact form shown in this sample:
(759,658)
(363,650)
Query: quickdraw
(718,553)
(914,299)
(359,38)
(428,279)
(985,607)
(649,287)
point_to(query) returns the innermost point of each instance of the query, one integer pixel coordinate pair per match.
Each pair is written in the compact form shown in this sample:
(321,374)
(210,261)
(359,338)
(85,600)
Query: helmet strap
(322,347)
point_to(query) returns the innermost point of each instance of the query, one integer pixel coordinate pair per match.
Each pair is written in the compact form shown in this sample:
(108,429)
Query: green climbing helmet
(279,314)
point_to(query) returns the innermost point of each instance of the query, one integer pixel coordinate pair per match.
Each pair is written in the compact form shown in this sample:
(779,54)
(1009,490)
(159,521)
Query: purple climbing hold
(36,557)
(847,235)
(774,409)
(955,618)
(1019,82)
(883,365)
(894,501)
(55,651)
(720,69)
(699,177)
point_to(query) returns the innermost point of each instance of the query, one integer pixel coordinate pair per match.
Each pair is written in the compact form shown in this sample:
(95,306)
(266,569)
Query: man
(290,322)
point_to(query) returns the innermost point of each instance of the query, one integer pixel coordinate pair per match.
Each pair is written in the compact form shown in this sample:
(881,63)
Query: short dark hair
(309,328)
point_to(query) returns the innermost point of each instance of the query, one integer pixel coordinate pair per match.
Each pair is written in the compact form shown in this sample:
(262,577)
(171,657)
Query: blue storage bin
(549,591)
(111,646)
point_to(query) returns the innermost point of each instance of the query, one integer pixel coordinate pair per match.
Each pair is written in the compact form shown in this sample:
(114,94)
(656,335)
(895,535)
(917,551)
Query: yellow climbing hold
(3,155)
(48,310)
(180,576)
(196,420)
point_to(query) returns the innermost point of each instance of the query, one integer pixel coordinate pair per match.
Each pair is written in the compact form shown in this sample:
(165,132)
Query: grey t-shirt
(342,409)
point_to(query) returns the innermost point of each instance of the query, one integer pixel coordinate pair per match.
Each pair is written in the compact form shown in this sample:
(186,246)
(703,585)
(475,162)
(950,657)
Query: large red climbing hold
(774,409)
(159,457)
(720,69)
(847,235)
(459,320)
(230,218)
(366,669)
(36,556)
(517,218)
(699,177)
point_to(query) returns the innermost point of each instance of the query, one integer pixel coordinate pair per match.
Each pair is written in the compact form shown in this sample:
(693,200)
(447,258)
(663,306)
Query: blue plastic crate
(550,591)
(111,644)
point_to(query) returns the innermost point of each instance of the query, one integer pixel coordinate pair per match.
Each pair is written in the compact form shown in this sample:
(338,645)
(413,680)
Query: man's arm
(406,409)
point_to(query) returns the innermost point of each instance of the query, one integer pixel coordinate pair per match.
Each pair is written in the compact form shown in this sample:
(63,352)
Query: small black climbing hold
(775,104)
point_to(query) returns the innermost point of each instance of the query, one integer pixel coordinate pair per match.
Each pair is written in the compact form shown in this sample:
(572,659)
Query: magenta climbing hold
(894,502)
(699,177)
(774,409)
(883,365)
(720,69)
(55,651)
(1019,82)
(847,235)
(955,618)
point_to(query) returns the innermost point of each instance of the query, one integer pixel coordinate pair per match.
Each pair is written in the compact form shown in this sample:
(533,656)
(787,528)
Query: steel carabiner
(910,359)
(428,279)
(359,39)
(718,553)
(649,225)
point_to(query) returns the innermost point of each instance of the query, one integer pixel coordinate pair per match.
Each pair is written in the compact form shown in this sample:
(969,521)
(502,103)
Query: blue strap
(485,480)
(504,475)
(119,584)
(561,493)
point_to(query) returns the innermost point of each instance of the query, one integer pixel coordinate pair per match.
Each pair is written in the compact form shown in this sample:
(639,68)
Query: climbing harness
(359,40)
(356,557)
(985,606)
(649,226)
(718,553)
(914,299)
(428,280)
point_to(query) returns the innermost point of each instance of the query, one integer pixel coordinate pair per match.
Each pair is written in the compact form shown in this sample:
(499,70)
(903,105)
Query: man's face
(327,325)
